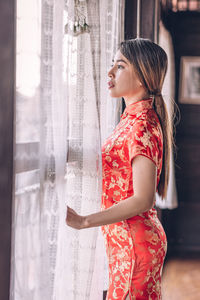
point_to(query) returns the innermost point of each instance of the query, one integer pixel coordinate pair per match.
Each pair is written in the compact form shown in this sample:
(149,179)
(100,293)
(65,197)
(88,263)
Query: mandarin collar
(139,106)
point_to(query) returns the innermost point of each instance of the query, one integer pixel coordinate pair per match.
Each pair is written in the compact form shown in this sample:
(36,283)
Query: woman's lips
(110,85)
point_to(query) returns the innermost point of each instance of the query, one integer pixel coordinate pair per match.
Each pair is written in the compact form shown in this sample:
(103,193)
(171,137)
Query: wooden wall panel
(188,172)
(147,19)
(130,19)
(182,229)
(190,121)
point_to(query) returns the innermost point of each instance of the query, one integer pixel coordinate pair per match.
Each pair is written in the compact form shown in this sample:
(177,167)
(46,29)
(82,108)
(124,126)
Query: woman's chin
(113,94)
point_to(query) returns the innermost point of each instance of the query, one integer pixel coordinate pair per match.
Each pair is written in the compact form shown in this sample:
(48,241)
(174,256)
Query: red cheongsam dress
(135,247)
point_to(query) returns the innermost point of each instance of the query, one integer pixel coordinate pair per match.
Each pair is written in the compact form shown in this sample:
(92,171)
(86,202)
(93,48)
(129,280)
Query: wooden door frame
(7,111)
(149,15)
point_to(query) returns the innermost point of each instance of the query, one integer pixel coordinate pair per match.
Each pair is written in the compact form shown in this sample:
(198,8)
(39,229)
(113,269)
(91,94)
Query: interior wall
(182,224)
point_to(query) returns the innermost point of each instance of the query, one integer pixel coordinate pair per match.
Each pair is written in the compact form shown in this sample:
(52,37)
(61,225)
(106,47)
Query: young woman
(135,162)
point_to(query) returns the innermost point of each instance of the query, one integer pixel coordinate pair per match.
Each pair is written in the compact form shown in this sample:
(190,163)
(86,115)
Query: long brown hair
(150,63)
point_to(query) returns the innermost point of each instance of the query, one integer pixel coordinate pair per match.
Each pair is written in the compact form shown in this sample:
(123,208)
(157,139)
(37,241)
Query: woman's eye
(118,66)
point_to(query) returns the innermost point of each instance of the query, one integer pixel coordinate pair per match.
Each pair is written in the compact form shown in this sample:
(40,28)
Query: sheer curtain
(63,114)
(40,155)
(91,116)
(165,41)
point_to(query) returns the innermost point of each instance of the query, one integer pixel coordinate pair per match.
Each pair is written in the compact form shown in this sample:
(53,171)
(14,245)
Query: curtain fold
(168,90)
(63,114)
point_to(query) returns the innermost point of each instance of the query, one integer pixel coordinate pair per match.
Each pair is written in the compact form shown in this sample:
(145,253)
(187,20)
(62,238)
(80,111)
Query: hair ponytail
(161,110)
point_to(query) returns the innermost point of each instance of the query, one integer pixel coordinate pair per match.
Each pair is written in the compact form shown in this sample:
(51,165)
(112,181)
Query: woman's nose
(111,73)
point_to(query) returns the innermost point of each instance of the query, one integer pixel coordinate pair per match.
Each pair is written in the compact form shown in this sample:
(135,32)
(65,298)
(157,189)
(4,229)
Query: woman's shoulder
(146,118)
(147,122)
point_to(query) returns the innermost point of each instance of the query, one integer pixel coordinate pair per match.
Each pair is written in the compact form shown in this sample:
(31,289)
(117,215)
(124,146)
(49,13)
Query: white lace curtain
(63,113)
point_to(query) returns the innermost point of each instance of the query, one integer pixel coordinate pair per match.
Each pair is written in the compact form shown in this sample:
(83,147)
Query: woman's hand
(74,220)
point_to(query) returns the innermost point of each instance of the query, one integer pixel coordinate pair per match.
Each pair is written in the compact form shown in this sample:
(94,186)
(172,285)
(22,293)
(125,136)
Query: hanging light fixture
(77,23)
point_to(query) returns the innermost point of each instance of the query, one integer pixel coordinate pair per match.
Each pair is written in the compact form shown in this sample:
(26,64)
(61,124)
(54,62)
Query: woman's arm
(144,184)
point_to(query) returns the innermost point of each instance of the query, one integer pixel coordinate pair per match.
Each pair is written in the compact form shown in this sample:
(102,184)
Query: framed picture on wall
(189,84)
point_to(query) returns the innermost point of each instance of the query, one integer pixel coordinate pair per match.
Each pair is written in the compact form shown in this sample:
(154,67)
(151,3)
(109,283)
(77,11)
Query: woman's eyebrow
(120,60)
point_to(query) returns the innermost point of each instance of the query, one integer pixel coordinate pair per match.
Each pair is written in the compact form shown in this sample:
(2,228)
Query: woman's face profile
(123,79)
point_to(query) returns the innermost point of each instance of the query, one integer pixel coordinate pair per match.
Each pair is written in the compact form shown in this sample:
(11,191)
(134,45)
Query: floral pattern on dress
(136,247)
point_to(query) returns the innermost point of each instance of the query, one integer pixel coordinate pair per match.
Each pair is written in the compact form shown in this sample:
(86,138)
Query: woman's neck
(136,98)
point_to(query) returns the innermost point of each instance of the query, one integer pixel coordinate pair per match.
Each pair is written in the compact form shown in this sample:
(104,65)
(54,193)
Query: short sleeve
(145,139)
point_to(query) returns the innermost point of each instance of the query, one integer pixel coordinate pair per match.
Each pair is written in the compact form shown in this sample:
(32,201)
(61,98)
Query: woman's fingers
(71,211)
(68,216)
(73,219)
